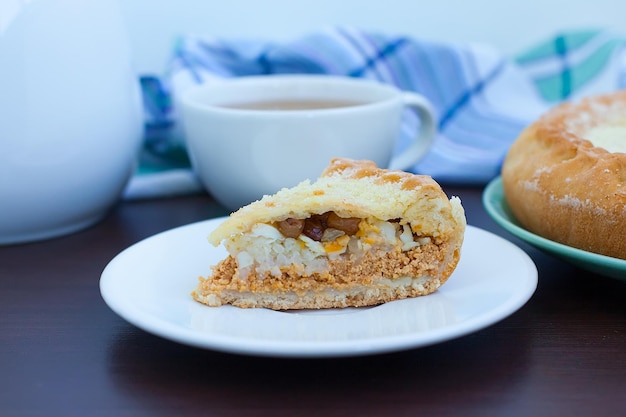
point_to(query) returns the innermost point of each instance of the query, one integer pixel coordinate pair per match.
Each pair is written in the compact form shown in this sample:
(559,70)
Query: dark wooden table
(63,352)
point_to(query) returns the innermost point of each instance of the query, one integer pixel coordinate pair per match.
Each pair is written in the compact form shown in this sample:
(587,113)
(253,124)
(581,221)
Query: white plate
(149,284)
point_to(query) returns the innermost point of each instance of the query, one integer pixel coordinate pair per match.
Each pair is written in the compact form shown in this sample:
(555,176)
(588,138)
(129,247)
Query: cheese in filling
(611,138)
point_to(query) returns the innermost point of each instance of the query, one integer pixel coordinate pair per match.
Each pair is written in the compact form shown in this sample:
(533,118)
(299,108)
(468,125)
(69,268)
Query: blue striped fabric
(483,99)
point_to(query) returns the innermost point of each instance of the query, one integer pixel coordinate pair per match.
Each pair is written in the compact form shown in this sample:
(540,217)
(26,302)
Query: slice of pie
(357,236)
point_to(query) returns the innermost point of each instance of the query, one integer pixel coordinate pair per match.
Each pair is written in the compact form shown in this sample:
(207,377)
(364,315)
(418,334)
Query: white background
(509,25)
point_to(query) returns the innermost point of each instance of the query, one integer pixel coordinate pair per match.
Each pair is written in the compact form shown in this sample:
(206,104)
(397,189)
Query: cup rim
(192,96)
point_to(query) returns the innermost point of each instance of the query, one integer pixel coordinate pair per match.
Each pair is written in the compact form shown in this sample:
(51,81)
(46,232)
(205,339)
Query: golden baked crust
(353,189)
(560,186)
(365,271)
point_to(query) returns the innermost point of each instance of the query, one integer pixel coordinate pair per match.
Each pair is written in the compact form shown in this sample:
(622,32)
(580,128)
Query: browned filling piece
(314,226)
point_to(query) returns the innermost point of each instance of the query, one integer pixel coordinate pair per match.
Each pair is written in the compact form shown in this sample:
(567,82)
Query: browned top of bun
(561,186)
(357,169)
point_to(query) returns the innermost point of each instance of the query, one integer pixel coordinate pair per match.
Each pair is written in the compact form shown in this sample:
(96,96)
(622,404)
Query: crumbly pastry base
(376,278)
(562,187)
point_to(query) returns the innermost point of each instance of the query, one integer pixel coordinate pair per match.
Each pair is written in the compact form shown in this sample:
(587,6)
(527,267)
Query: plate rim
(314,349)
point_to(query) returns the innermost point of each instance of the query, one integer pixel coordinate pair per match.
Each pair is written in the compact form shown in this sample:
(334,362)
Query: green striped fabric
(566,64)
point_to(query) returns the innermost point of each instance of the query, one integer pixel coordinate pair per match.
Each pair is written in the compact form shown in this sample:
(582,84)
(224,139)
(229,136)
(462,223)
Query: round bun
(564,178)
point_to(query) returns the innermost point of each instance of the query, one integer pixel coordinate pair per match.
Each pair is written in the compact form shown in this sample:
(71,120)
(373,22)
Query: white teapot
(70,115)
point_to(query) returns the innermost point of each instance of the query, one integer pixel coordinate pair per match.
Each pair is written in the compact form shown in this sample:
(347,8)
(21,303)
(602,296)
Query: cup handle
(425,136)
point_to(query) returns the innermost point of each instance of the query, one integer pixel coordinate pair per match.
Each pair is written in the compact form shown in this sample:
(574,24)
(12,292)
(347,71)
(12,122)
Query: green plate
(496,205)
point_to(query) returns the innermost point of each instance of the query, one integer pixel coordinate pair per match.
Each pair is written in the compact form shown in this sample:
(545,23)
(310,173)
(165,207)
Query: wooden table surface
(63,352)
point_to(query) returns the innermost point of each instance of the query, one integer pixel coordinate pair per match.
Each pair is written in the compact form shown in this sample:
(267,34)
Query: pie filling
(309,244)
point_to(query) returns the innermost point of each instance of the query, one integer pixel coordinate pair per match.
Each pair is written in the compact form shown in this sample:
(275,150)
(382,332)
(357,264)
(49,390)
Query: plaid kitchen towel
(483,99)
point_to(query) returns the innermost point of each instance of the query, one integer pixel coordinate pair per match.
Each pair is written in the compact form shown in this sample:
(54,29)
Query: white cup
(241,154)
